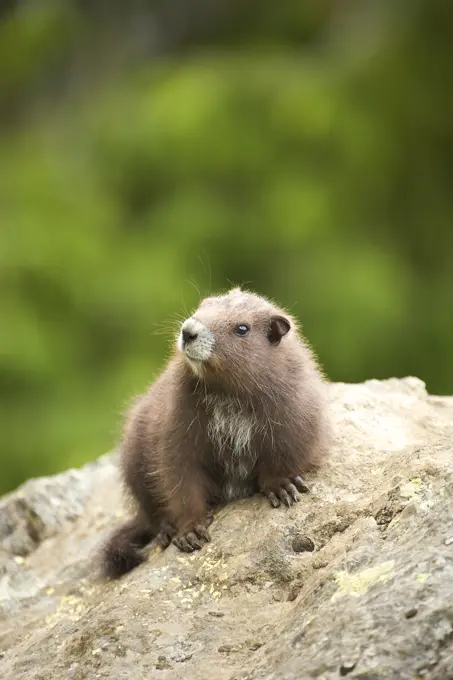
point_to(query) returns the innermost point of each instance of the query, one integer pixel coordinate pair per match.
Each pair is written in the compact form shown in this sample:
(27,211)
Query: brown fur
(187,445)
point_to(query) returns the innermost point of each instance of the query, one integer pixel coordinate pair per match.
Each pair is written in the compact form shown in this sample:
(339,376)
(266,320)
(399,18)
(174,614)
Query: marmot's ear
(278,327)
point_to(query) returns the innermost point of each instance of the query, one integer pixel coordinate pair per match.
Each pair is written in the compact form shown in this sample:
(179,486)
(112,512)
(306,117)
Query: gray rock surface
(355,581)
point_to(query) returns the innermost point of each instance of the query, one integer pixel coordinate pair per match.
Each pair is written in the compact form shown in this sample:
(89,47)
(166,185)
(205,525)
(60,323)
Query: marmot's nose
(188,336)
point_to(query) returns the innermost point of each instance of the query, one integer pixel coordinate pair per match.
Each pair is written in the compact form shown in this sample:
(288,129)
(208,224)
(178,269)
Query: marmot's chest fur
(232,431)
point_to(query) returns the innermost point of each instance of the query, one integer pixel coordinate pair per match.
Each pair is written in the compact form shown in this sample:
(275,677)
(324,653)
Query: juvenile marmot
(240,408)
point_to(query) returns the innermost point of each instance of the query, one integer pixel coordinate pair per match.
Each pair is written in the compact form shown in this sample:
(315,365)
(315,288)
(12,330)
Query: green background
(151,152)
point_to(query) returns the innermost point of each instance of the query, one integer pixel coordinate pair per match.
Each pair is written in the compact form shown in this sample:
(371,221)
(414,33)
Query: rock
(355,581)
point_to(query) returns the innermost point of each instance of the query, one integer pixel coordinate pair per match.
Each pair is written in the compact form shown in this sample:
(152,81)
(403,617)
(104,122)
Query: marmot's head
(239,339)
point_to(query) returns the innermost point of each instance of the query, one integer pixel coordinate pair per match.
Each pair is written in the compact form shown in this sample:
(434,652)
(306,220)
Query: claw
(291,489)
(202,533)
(183,544)
(301,485)
(286,490)
(274,501)
(193,540)
(283,495)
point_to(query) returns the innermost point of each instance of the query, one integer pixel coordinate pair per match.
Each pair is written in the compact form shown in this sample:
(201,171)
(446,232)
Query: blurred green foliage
(312,162)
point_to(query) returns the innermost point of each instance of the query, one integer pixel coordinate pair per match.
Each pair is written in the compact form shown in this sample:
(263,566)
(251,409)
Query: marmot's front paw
(195,536)
(285,490)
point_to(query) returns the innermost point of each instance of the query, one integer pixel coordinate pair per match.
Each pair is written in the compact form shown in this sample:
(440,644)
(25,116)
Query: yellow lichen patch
(70,607)
(358,584)
(422,577)
(210,568)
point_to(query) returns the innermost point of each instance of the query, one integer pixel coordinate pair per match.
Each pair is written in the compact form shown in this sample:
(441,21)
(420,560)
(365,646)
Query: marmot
(239,409)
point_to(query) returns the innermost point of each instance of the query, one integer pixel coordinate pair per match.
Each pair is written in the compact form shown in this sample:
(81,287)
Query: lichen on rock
(356,580)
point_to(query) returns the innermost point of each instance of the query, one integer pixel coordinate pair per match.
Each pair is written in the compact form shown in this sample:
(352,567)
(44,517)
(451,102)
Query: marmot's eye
(242,329)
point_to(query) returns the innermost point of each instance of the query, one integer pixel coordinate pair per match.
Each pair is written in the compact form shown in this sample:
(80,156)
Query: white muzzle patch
(195,340)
